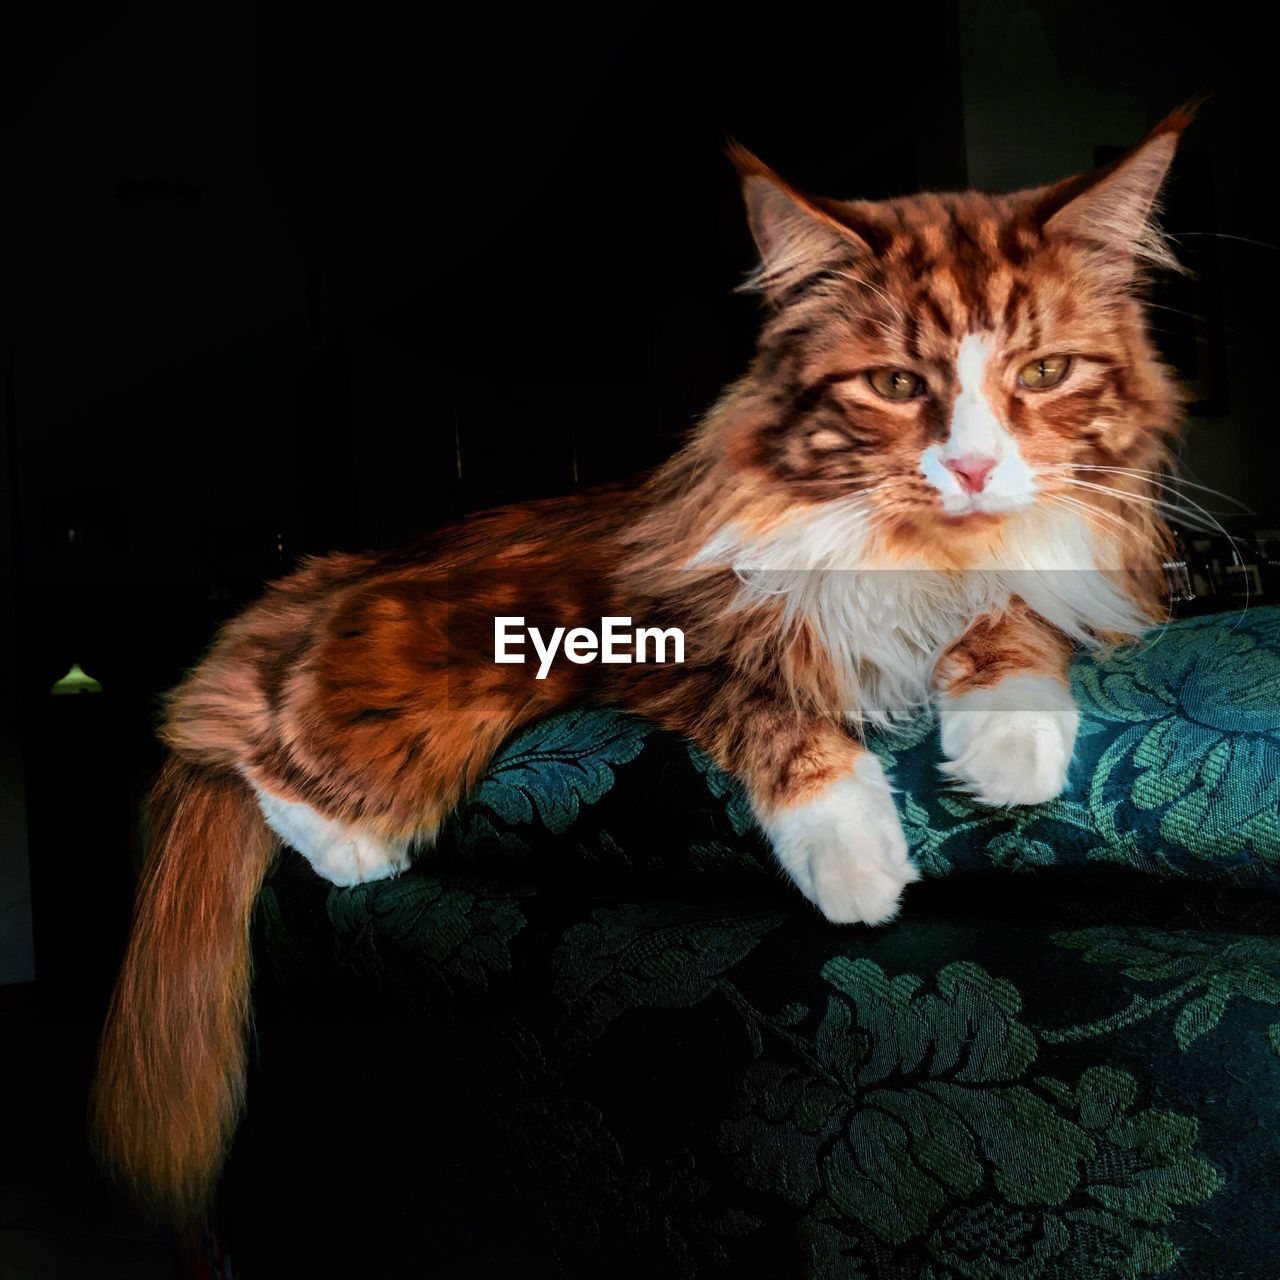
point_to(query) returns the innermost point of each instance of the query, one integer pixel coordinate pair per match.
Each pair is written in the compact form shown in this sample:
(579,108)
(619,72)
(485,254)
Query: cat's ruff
(886,620)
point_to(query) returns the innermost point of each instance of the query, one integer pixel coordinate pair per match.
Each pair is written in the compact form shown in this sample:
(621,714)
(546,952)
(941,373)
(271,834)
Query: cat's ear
(1115,207)
(795,234)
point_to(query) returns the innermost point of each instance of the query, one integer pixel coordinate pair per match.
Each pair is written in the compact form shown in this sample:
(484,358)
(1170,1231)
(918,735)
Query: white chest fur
(886,622)
(886,629)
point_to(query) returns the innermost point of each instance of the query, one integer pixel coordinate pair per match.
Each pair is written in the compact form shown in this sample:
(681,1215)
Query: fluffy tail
(171,1066)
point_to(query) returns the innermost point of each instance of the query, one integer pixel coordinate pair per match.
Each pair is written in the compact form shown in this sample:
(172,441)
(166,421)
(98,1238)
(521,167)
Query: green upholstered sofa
(596,1034)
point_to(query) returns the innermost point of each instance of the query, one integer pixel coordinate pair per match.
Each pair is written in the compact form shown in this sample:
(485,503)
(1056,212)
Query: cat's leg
(344,853)
(384,787)
(842,843)
(383,725)
(827,808)
(1008,720)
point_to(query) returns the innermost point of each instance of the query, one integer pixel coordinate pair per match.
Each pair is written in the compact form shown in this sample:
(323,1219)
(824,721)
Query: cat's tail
(171,1066)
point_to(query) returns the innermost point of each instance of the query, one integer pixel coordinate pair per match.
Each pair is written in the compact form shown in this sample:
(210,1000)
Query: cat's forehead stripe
(940,270)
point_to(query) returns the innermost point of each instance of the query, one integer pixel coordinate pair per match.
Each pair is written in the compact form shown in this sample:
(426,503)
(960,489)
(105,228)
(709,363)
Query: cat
(935,479)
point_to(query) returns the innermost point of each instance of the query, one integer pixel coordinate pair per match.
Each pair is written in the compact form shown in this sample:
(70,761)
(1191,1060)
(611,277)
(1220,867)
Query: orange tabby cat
(931,482)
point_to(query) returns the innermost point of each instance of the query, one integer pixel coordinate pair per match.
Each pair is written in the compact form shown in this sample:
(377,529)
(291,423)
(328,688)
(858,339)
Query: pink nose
(972,470)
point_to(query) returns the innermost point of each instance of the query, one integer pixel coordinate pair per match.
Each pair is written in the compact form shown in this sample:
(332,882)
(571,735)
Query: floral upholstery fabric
(595,1033)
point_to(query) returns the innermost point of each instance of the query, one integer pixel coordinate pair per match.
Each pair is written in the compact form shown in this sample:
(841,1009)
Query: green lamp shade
(75,681)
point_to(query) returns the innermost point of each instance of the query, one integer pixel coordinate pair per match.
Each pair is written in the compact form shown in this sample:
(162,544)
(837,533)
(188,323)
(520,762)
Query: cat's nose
(972,470)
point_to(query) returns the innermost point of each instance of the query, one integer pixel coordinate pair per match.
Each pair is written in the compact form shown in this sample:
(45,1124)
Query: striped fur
(805,540)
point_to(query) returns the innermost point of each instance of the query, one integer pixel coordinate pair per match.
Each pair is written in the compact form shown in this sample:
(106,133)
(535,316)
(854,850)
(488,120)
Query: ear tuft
(1180,117)
(794,234)
(1116,206)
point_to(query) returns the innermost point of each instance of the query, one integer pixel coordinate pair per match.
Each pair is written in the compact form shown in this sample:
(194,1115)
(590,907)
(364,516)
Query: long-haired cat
(932,482)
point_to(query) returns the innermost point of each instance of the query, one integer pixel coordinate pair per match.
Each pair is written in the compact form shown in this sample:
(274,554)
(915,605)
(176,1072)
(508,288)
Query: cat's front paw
(845,848)
(1012,743)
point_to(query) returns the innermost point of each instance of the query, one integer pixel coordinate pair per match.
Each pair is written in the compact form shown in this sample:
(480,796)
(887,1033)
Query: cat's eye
(896,384)
(1048,371)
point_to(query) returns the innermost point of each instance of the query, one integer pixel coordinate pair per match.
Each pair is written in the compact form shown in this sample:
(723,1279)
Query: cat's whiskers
(1224,235)
(1065,502)
(1165,480)
(1192,512)
(1177,311)
(1068,502)
(1189,514)
(894,306)
(866,317)
(1185,516)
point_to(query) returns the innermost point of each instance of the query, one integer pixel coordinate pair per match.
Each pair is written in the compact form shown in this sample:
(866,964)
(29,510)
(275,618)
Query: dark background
(287,280)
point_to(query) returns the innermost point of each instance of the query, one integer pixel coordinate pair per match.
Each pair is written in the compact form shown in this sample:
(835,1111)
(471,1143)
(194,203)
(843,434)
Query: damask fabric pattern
(598,1035)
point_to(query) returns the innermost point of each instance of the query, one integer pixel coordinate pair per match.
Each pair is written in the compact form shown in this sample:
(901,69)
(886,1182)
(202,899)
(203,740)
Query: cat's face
(952,359)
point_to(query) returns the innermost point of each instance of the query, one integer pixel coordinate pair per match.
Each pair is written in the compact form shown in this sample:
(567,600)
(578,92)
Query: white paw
(1012,743)
(341,854)
(845,848)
